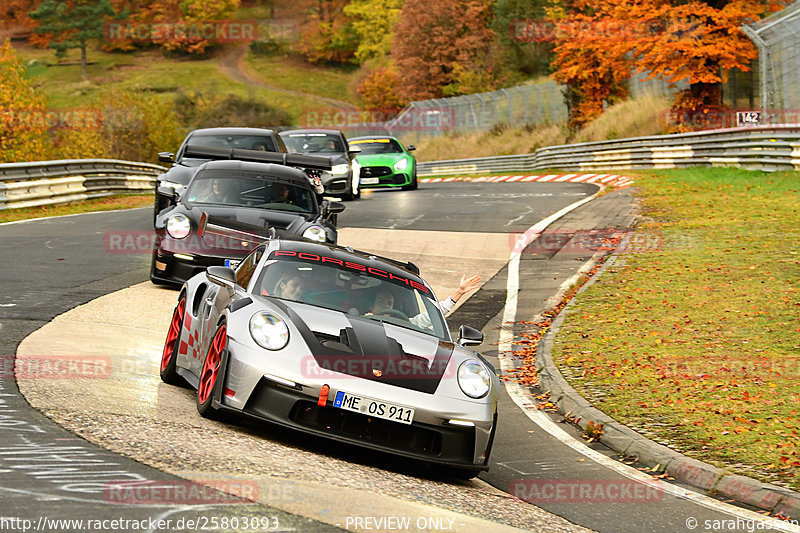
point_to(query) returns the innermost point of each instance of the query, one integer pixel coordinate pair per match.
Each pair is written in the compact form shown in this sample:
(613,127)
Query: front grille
(400,437)
(375,172)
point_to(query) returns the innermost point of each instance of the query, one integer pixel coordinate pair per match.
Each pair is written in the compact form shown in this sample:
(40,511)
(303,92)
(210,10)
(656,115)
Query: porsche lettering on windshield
(358,267)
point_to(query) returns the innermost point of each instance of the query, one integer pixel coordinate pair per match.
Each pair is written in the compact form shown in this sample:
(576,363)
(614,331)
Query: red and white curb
(610,180)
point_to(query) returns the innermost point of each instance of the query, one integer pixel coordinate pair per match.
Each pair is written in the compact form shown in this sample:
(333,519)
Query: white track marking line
(521,398)
(72,215)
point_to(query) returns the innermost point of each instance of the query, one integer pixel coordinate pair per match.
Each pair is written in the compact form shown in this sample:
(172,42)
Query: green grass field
(63,87)
(693,336)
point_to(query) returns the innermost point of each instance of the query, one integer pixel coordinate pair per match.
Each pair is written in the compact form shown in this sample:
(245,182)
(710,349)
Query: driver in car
(384,303)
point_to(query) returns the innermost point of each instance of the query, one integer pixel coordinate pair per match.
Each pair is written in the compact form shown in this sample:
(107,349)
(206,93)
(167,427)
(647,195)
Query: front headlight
(315,233)
(269,331)
(474,379)
(340,170)
(401,165)
(178,226)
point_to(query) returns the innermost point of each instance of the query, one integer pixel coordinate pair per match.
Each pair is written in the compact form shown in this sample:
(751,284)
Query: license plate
(376,408)
(369,181)
(232,263)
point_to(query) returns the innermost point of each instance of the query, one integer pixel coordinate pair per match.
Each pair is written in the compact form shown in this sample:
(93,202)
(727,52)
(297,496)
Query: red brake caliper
(211,366)
(173,334)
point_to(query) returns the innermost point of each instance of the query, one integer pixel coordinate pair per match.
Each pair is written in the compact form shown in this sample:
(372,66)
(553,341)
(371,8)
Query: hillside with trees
(314,56)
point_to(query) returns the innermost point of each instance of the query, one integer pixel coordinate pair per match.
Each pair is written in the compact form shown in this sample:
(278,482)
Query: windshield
(243,189)
(377,146)
(247,142)
(306,143)
(353,289)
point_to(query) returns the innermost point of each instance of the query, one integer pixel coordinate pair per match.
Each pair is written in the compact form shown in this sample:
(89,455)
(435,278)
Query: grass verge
(693,338)
(108,203)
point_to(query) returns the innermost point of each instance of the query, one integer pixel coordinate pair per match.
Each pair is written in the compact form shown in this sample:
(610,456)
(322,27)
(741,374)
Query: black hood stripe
(364,348)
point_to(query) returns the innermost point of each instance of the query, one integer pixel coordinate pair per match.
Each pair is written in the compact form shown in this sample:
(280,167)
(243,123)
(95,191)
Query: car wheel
(169,357)
(210,375)
(413,185)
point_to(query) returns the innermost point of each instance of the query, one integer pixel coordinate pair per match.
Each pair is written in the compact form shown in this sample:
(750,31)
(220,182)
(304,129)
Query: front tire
(169,356)
(210,376)
(414,183)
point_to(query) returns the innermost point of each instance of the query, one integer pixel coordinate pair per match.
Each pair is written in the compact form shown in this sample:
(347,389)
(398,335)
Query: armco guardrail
(758,148)
(54,182)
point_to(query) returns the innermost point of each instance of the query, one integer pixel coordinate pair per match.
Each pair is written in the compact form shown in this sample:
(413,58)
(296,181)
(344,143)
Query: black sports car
(343,178)
(183,166)
(230,206)
(336,343)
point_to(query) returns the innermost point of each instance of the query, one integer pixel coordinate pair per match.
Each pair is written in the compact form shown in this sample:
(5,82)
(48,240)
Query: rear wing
(258,156)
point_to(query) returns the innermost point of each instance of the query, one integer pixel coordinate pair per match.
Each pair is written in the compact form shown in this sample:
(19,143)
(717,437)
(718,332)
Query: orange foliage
(598,45)
(23,120)
(377,91)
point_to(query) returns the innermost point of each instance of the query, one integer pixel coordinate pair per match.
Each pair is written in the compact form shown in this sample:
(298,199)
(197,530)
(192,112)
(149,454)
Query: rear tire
(210,375)
(169,356)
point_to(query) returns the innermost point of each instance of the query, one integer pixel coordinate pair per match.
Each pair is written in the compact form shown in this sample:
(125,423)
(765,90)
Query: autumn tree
(591,58)
(696,41)
(441,43)
(14,15)
(326,34)
(524,34)
(599,43)
(72,24)
(23,125)
(373,22)
(378,91)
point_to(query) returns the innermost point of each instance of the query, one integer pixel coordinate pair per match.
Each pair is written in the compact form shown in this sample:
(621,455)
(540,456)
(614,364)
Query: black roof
(234,131)
(312,130)
(283,173)
(408,270)
(368,137)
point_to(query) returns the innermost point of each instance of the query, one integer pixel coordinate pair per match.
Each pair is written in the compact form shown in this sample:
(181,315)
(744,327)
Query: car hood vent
(373,350)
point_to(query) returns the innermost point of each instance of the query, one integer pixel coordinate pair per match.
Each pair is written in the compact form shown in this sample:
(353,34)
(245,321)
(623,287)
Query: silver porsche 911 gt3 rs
(337,343)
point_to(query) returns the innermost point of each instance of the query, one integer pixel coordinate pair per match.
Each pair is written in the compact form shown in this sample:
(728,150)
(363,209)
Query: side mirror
(222,276)
(334,208)
(411,147)
(167,192)
(354,151)
(166,157)
(468,336)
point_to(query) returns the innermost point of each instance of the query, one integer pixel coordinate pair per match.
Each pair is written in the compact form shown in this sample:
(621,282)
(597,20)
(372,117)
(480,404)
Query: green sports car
(385,162)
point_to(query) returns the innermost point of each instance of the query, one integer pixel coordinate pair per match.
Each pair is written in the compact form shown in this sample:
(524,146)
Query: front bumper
(386,177)
(336,184)
(430,437)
